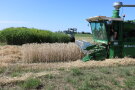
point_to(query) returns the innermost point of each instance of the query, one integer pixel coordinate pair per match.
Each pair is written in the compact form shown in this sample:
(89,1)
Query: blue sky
(56,15)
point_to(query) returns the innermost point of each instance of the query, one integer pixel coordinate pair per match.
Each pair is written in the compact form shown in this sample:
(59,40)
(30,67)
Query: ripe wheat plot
(55,52)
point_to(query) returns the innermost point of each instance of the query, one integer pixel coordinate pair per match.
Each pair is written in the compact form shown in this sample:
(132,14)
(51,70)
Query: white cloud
(12,22)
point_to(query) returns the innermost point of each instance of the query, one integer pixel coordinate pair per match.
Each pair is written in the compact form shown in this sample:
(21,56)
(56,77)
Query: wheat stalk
(50,52)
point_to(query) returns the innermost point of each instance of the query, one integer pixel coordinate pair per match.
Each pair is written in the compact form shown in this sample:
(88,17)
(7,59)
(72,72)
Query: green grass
(49,76)
(2,44)
(31,83)
(76,71)
(103,78)
(98,78)
(86,37)
(16,74)
(83,35)
(130,83)
(2,70)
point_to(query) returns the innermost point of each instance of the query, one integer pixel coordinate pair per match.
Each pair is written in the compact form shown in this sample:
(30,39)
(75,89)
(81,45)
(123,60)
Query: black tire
(72,39)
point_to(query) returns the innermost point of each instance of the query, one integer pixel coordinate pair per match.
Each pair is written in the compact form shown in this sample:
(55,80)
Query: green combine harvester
(113,36)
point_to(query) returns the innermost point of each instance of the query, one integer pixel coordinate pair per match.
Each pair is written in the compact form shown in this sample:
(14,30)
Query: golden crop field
(57,52)
(37,53)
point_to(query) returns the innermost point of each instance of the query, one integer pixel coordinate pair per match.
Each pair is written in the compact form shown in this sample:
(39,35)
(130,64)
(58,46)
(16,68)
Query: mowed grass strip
(103,78)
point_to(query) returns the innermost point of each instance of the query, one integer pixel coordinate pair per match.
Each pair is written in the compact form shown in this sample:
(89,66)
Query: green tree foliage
(1,37)
(22,35)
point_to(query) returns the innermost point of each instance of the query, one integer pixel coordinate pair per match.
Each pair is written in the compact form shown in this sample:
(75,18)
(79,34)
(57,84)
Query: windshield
(99,31)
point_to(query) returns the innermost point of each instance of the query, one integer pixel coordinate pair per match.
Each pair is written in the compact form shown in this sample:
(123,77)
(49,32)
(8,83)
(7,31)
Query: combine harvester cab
(114,36)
